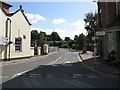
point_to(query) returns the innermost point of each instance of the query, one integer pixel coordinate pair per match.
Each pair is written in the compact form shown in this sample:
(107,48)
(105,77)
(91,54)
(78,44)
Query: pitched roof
(22,11)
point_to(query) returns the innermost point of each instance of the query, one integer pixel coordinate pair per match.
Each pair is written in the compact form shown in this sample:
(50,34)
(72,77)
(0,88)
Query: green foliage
(67,39)
(55,36)
(34,36)
(79,41)
(91,20)
(42,38)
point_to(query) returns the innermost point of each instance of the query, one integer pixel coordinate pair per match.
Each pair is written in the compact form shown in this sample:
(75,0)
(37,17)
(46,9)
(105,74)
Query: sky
(65,18)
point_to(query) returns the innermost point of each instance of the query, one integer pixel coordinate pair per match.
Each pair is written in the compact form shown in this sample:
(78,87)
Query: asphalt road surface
(62,69)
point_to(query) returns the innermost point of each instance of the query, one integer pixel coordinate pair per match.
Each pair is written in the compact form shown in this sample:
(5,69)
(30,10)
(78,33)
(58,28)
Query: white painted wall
(3,18)
(20,24)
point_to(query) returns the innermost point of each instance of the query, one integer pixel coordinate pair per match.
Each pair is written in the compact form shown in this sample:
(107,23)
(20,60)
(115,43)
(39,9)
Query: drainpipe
(9,39)
(6,35)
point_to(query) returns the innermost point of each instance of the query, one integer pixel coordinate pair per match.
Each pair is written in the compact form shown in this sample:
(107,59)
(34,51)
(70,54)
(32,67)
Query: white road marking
(92,76)
(36,75)
(18,74)
(77,75)
(55,61)
(49,75)
(67,63)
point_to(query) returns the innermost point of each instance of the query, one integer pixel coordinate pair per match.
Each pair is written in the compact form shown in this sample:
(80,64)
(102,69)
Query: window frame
(18,44)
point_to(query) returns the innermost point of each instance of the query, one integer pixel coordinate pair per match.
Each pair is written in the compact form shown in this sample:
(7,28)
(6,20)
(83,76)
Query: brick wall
(107,14)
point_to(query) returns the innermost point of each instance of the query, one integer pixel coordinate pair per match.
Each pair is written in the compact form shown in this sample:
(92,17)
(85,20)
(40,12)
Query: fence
(53,49)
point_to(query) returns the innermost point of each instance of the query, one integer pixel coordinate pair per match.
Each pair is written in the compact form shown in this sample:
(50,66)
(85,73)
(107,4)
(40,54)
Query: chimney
(5,6)
(21,8)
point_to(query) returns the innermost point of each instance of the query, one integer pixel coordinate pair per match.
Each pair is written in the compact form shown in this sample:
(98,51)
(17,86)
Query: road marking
(77,75)
(49,75)
(36,75)
(55,61)
(67,63)
(18,74)
(92,76)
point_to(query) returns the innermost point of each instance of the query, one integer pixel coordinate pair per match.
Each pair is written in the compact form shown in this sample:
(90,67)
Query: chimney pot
(20,6)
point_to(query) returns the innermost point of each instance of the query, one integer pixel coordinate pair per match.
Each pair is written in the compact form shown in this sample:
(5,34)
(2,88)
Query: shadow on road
(51,76)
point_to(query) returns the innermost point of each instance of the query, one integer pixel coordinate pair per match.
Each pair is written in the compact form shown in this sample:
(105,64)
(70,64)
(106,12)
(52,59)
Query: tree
(92,25)
(75,37)
(34,37)
(80,41)
(67,38)
(55,36)
(55,39)
(42,38)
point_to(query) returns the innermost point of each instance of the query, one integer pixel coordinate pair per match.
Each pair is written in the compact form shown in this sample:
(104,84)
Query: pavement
(98,64)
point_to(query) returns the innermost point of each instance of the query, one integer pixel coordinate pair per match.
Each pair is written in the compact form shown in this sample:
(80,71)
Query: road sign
(3,41)
(100,33)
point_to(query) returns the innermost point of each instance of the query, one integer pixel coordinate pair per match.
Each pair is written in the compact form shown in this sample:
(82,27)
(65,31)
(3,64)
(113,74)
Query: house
(15,33)
(109,19)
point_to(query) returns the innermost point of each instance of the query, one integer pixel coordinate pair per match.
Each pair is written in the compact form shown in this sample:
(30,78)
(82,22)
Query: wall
(111,42)
(3,19)
(108,17)
(20,24)
(53,49)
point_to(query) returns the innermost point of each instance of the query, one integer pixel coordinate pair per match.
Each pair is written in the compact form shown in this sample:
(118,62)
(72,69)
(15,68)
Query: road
(62,69)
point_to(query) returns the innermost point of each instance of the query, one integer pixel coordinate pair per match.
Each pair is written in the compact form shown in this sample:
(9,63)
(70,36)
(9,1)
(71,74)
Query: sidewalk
(88,60)
(3,63)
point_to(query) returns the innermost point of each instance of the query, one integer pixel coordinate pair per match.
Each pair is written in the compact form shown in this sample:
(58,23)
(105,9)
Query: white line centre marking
(55,61)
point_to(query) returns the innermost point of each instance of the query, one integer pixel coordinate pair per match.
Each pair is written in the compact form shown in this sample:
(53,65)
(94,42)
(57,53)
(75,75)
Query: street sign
(100,33)
(3,41)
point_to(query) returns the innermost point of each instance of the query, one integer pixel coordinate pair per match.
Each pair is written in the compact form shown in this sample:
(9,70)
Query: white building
(14,33)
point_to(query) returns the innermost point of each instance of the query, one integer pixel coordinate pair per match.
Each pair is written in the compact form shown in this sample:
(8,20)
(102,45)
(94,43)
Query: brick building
(109,21)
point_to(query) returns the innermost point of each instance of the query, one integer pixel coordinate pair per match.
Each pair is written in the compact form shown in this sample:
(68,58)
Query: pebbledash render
(15,33)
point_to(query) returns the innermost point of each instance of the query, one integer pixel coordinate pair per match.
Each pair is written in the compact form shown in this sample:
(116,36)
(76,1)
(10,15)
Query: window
(24,36)
(18,44)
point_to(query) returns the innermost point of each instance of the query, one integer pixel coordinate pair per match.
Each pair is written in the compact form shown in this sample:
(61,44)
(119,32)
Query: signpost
(98,33)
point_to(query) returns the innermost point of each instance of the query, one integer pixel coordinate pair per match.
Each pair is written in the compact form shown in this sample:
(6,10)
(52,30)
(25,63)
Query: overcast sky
(66,18)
